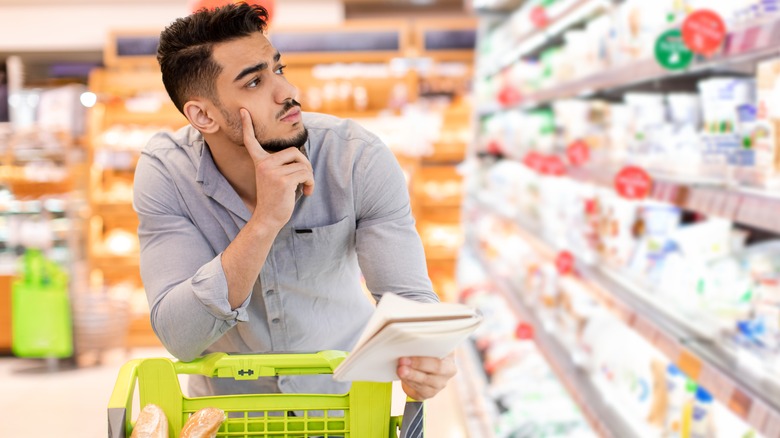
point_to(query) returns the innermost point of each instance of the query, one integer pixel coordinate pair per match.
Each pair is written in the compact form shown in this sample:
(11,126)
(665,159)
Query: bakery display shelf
(113,208)
(440,253)
(481,413)
(745,46)
(748,391)
(449,202)
(165,117)
(107,260)
(605,420)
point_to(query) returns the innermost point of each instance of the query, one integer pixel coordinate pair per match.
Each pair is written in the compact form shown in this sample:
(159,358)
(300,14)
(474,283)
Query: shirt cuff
(210,287)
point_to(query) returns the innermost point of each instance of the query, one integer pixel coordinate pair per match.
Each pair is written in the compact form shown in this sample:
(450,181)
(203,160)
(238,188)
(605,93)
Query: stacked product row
(727,132)
(646,390)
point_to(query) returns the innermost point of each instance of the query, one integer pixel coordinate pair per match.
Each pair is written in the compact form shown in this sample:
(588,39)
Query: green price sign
(671,51)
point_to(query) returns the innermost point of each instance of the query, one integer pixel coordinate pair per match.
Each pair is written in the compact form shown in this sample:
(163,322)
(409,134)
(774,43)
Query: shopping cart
(364,412)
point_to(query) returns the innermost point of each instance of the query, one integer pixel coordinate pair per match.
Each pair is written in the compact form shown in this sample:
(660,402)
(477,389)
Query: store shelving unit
(741,48)
(558,19)
(755,399)
(748,206)
(605,419)
(480,414)
(737,381)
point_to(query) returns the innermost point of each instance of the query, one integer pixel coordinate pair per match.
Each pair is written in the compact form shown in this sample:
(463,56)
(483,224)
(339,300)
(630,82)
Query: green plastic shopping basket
(364,412)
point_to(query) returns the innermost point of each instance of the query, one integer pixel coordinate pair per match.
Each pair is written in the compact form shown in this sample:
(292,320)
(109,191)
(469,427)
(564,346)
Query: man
(256,220)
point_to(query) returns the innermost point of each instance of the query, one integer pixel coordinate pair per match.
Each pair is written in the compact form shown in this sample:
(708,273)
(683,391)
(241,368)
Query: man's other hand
(424,377)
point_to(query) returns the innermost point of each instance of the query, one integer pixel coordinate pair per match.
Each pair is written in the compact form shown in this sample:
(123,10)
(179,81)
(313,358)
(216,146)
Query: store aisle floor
(71,403)
(68,403)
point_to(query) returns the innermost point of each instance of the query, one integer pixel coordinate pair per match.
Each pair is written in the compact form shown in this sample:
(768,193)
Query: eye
(280,69)
(253,83)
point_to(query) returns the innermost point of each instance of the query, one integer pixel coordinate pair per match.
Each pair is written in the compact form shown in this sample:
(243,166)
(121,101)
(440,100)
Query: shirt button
(275,320)
(269,292)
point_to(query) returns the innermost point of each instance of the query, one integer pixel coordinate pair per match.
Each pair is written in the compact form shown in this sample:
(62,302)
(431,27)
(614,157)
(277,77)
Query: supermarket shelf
(741,47)
(754,398)
(479,412)
(561,20)
(497,7)
(604,420)
(711,197)
(747,206)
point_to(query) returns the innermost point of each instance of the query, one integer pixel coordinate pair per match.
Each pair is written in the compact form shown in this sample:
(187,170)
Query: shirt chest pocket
(321,249)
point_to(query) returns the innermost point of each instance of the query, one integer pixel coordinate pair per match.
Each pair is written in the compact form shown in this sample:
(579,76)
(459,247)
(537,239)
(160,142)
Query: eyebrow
(256,68)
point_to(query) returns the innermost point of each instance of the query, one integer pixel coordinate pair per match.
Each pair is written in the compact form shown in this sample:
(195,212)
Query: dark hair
(184,53)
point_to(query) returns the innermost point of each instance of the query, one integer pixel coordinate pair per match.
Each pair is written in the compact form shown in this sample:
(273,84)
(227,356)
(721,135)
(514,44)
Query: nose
(284,90)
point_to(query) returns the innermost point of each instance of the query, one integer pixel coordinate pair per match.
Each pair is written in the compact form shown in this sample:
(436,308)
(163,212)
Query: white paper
(435,330)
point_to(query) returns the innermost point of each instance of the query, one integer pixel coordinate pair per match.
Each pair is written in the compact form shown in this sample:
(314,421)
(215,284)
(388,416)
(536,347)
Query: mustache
(288,105)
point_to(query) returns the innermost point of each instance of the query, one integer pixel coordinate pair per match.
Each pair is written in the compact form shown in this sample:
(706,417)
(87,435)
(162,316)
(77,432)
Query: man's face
(252,78)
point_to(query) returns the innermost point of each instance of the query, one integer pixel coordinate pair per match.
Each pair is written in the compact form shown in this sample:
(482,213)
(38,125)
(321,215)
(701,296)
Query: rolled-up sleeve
(184,280)
(390,252)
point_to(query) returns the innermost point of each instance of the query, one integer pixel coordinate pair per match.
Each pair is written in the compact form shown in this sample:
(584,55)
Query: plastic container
(364,412)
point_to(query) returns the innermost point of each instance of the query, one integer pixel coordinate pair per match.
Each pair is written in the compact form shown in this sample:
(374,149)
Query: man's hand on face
(423,377)
(277,176)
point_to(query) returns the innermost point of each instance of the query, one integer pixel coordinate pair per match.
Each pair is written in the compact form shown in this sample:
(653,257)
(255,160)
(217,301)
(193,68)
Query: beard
(235,132)
(280,144)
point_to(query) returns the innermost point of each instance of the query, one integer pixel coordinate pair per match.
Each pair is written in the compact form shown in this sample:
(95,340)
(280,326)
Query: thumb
(250,141)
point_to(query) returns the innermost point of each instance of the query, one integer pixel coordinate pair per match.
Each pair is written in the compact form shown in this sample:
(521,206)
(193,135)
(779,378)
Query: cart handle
(254,366)
(120,405)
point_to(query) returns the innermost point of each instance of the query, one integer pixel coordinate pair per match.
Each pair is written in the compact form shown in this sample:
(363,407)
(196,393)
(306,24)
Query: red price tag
(524,331)
(494,148)
(553,165)
(539,17)
(578,153)
(703,31)
(633,183)
(509,96)
(564,262)
(534,161)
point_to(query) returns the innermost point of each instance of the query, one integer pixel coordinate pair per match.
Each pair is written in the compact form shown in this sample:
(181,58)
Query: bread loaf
(151,423)
(203,424)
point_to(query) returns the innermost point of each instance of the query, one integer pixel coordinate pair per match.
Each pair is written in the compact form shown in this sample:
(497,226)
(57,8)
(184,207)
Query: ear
(196,112)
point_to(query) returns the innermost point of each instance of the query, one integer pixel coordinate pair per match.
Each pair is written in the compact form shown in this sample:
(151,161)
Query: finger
(292,156)
(250,141)
(417,377)
(289,156)
(419,391)
(431,365)
(305,178)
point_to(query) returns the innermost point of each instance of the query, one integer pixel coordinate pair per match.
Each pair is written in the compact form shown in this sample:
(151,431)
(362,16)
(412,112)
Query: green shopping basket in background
(364,412)
(40,310)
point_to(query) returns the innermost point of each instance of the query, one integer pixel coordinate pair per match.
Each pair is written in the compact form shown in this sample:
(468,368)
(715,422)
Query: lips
(292,116)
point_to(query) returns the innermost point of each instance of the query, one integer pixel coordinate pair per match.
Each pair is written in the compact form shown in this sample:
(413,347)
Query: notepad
(401,327)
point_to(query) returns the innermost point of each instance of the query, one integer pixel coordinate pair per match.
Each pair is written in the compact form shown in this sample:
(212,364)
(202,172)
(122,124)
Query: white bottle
(702,425)
(676,393)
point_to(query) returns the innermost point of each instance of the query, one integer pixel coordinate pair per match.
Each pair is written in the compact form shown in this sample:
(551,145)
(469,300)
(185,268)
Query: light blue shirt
(308,296)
